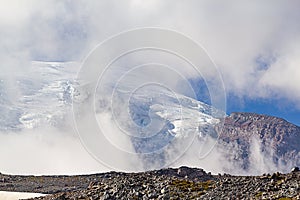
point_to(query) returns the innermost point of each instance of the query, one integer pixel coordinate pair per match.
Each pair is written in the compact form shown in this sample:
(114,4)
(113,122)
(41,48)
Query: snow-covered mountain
(44,97)
(154,118)
(159,116)
(161,124)
(39,98)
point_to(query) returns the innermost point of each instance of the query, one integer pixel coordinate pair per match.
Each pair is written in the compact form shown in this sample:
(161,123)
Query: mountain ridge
(279,138)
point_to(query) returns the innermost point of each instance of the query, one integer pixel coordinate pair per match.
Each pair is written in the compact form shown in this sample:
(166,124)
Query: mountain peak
(245,116)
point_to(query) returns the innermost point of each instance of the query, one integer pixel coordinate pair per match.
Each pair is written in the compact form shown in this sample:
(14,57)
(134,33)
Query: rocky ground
(181,183)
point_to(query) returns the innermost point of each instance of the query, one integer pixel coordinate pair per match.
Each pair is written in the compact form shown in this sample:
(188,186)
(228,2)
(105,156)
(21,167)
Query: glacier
(40,98)
(155,119)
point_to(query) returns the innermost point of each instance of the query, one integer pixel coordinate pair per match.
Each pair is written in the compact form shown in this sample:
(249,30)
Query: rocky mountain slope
(180,183)
(276,138)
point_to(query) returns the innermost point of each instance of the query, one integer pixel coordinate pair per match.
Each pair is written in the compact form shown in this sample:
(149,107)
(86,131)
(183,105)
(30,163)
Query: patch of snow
(4,195)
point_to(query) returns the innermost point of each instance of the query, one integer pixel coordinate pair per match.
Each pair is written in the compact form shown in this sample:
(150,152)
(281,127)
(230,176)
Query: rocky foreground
(181,183)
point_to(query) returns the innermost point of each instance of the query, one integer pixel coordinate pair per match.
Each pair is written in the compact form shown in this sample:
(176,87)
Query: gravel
(181,183)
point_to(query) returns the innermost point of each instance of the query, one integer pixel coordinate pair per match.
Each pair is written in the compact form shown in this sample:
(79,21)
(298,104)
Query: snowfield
(18,195)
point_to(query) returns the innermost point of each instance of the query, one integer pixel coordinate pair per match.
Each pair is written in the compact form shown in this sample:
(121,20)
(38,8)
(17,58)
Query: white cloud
(45,151)
(283,76)
(235,34)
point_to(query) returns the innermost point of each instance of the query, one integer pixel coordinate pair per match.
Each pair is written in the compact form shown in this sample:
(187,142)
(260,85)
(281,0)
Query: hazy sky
(255,44)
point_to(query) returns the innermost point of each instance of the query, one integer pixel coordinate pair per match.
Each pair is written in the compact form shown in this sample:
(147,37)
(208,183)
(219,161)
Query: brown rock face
(278,137)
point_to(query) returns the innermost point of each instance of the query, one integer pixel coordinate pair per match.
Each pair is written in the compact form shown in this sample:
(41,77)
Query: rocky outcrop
(275,186)
(169,184)
(277,137)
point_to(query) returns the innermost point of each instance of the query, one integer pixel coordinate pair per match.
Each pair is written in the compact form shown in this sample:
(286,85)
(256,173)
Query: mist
(254,48)
(41,151)
(46,151)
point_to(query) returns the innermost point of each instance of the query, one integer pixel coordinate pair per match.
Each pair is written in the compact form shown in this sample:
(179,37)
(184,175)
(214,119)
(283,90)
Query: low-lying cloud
(44,151)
